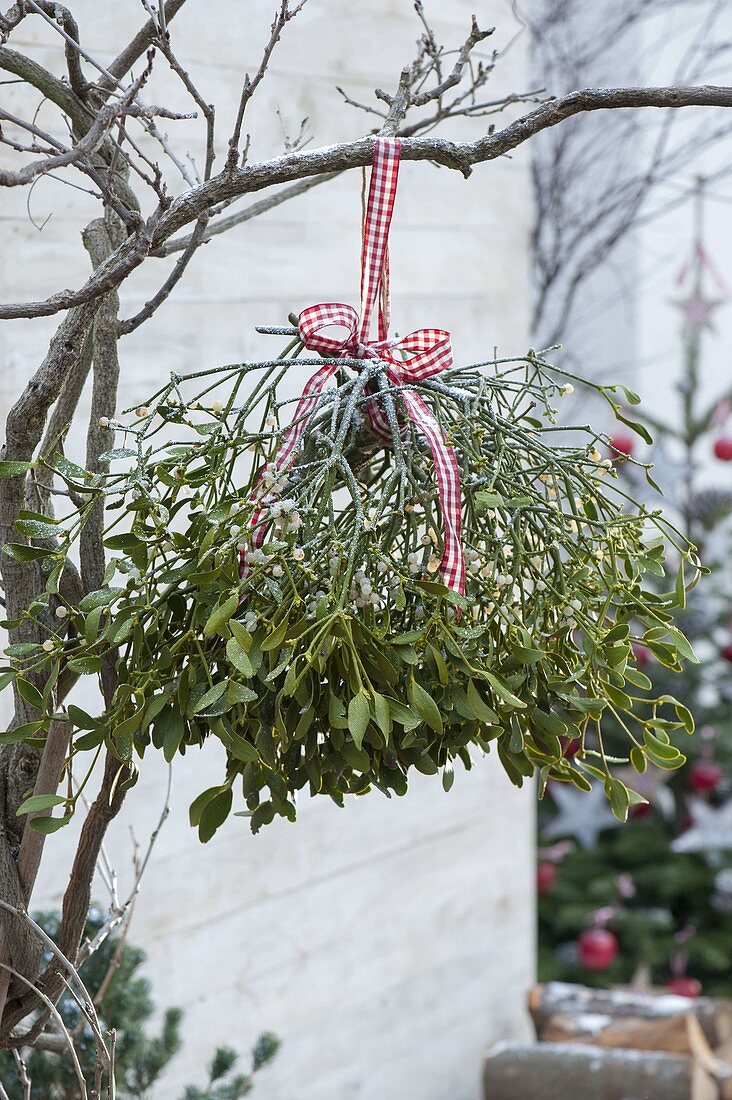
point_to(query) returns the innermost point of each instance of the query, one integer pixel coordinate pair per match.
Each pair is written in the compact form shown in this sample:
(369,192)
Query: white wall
(389,943)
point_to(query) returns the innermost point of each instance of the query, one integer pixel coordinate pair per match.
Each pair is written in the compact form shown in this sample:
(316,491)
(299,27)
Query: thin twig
(283,16)
(196,238)
(23,1078)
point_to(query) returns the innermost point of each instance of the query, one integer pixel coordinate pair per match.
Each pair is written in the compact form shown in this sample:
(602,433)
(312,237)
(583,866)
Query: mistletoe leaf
(239,693)
(242,635)
(425,707)
(85,666)
(239,658)
(21,733)
(503,692)
(14,469)
(101,598)
(214,813)
(47,825)
(359,715)
(478,707)
(618,797)
(38,528)
(18,551)
(275,639)
(30,693)
(211,697)
(40,802)
(382,713)
(220,616)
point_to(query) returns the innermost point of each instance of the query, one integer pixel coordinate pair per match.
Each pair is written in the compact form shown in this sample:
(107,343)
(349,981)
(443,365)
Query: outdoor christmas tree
(653,901)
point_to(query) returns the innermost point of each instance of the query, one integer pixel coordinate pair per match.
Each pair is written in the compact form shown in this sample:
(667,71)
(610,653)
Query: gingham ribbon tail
(412,358)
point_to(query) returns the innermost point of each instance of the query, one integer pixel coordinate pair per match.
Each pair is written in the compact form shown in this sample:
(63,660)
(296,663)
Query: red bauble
(726,652)
(723,448)
(598,948)
(705,775)
(641,809)
(684,987)
(621,446)
(570,746)
(546,876)
(642,655)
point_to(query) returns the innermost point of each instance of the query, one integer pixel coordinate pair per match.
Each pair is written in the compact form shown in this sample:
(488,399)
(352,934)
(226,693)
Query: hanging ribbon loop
(409,359)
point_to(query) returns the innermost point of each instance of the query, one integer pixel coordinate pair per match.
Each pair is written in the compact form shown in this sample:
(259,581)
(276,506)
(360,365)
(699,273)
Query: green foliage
(338,661)
(223,1083)
(125,1004)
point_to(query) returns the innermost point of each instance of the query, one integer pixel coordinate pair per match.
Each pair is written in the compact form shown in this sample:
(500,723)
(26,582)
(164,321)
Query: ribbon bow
(412,358)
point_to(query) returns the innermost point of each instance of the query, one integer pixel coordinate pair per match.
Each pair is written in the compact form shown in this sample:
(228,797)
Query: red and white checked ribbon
(428,351)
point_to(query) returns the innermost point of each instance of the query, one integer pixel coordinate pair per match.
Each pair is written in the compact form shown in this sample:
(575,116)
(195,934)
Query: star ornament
(710,831)
(697,310)
(582,815)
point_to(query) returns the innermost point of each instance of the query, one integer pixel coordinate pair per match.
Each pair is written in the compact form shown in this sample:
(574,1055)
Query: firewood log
(548,1071)
(615,1018)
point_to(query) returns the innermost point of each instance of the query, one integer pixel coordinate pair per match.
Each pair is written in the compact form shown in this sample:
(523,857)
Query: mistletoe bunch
(298,616)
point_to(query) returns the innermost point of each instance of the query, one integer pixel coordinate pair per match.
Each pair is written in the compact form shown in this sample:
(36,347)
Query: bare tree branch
(476,35)
(86,145)
(49,85)
(459,156)
(398,103)
(52,11)
(100,238)
(222,225)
